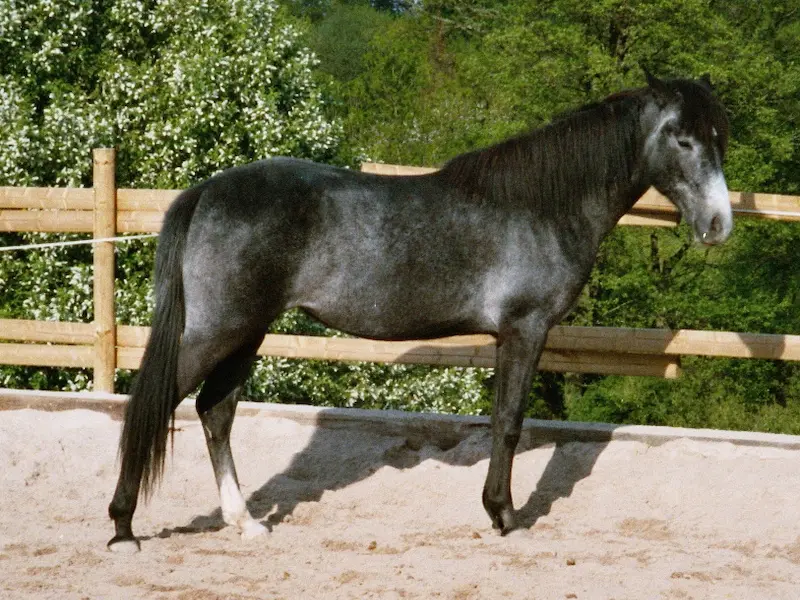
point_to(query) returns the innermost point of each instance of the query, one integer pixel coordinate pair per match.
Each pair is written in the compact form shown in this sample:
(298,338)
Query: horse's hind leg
(201,355)
(216,406)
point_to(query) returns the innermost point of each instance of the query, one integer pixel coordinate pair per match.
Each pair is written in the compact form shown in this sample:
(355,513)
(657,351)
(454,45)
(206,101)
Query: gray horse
(499,241)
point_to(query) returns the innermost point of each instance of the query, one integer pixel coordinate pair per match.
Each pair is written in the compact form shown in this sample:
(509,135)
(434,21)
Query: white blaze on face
(719,202)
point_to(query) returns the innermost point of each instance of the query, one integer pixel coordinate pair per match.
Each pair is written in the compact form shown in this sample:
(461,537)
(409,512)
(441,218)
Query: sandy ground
(355,515)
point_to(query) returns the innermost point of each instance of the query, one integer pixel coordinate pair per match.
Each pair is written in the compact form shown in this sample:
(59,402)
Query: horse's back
(336,242)
(376,256)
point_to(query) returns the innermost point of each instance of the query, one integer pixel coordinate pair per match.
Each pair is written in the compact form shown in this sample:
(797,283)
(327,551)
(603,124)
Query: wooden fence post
(105,226)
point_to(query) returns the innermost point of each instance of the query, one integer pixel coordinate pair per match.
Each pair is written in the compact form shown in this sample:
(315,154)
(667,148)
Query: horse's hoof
(520,533)
(505,522)
(121,545)
(252,530)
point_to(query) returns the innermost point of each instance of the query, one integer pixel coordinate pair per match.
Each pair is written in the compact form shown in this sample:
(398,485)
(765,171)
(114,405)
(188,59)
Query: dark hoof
(501,514)
(504,521)
(504,531)
(124,545)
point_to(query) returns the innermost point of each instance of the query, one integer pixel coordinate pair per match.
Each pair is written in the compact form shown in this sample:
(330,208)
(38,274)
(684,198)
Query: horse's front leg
(519,346)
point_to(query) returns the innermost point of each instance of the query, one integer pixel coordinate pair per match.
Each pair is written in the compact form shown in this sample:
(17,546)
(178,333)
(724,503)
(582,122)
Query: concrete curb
(444,431)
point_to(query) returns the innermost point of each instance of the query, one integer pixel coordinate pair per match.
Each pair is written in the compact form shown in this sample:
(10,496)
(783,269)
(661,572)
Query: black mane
(552,170)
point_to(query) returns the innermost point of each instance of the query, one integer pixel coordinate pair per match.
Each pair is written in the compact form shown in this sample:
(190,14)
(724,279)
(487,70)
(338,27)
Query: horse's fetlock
(117,510)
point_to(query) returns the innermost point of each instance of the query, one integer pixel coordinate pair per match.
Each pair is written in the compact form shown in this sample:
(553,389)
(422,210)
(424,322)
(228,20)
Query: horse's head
(686,136)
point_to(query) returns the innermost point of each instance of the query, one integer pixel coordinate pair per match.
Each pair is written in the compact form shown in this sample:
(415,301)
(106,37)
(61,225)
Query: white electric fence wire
(126,238)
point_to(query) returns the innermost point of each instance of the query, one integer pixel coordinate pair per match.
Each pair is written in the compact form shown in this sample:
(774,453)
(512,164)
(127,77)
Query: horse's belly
(394,314)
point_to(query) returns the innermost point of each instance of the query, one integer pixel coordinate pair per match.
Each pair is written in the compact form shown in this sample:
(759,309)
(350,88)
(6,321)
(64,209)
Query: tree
(342,39)
(318,10)
(452,76)
(182,89)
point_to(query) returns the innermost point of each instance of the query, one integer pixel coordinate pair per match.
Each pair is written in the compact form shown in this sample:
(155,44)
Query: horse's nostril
(716,231)
(716,225)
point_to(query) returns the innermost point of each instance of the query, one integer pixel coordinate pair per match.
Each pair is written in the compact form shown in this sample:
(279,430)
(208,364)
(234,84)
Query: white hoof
(521,534)
(253,529)
(125,547)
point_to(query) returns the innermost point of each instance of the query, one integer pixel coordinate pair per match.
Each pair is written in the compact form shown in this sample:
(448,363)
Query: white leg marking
(234,509)
(253,529)
(231,501)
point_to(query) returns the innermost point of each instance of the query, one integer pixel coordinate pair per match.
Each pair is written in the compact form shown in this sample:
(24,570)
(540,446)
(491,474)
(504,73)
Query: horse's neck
(625,200)
(603,210)
(617,181)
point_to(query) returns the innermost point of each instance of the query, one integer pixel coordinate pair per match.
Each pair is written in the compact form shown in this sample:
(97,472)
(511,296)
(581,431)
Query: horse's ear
(705,81)
(662,89)
(655,83)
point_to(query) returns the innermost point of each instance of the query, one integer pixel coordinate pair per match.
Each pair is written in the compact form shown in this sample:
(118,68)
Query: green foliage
(186,88)
(721,393)
(751,284)
(370,385)
(318,10)
(454,76)
(182,89)
(401,109)
(343,38)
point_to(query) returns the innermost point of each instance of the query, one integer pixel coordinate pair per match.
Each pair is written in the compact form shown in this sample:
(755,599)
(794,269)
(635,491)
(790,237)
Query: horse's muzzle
(719,229)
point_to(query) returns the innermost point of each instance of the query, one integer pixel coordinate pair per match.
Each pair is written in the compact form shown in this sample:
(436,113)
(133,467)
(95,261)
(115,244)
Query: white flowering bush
(182,89)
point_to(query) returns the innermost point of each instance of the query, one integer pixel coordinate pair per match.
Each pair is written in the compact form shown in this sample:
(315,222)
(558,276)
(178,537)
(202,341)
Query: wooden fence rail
(106,346)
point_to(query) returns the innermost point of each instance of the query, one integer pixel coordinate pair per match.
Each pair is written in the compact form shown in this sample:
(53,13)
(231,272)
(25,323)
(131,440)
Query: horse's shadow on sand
(336,457)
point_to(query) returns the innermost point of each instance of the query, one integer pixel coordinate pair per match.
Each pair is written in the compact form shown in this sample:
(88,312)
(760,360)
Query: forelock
(703,115)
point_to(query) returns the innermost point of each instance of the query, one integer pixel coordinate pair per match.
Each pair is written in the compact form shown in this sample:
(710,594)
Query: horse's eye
(686,144)
(670,129)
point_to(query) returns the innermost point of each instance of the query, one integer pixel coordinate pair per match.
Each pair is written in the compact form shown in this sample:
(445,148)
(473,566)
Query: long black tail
(154,396)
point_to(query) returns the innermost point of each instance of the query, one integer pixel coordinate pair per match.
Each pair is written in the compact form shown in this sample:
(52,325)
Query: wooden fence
(105,345)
